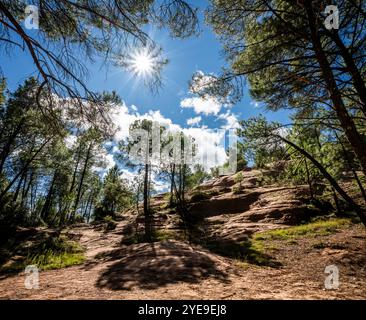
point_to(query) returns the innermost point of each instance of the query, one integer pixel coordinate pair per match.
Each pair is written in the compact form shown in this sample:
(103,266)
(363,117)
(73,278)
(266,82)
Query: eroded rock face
(234,207)
(255,202)
(237,209)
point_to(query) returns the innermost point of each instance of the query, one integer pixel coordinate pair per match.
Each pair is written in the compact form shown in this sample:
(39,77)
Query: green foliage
(110,223)
(164,235)
(238,178)
(48,166)
(250,251)
(116,195)
(52,253)
(241,164)
(2,89)
(291,61)
(257,137)
(238,189)
(199,195)
(198,176)
(313,229)
(215,172)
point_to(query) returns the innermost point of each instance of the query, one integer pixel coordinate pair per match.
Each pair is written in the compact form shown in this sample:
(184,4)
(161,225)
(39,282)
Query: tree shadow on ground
(246,251)
(152,265)
(249,250)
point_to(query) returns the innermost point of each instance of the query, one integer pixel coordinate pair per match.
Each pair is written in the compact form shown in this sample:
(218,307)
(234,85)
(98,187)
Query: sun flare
(142,63)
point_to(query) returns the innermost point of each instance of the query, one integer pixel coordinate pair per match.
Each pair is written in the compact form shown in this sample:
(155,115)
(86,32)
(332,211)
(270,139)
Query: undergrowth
(51,253)
(312,229)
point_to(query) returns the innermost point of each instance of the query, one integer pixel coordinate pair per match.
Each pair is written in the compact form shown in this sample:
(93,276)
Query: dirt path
(176,270)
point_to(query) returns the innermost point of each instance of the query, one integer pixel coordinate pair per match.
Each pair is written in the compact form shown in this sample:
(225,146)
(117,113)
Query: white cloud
(210,142)
(231,120)
(193,121)
(108,144)
(128,175)
(202,81)
(107,162)
(210,146)
(70,140)
(110,163)
(123,119)
(208,105)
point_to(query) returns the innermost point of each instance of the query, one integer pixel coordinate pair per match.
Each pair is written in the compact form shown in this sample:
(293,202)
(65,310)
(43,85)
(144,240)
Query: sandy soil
(176,270)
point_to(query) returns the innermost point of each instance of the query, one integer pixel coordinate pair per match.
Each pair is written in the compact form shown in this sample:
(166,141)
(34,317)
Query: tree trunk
(77,199)
(182,210)
(184,183)
(357,79)
(359,210)
(171,183)
(47,204)
(309,180)
(345,120)
(25,192)
(17,190)
(146,205)
(75,170)
(336,201)
(25,167)
(6,150)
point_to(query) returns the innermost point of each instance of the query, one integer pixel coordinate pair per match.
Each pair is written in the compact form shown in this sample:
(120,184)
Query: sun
(142,63)
(145,64)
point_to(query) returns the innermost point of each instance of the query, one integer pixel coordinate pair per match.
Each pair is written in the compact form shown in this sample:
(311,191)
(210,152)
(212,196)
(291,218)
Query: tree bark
(146,204)
(309,180)
(47,204)
(6,150)
(25,167)
(345,120)
(77,199)
(171,183)
(359,210)
(357,80)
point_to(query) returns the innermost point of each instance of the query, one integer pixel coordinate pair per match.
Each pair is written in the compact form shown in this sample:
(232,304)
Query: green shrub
(241,165)
(110,223)
(238,177)
(200,196)
(238,189)
(305,230)
(51,253)
(79,219)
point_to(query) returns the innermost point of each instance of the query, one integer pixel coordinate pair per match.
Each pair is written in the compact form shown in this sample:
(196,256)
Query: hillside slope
(245,244)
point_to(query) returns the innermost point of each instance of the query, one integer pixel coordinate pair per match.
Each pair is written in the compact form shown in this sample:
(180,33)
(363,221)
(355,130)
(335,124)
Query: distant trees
(293,60)
(47,172)
(116,195)
(198,176)
(137,152)
(257,132)
(153,149)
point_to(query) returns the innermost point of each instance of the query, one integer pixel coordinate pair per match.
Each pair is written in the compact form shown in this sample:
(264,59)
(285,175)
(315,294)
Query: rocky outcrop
(235,209)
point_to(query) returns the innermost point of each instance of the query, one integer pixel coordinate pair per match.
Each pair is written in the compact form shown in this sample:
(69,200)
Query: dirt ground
(177,270)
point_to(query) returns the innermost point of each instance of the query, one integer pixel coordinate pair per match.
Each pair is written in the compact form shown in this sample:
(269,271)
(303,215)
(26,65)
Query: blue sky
(186,57)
